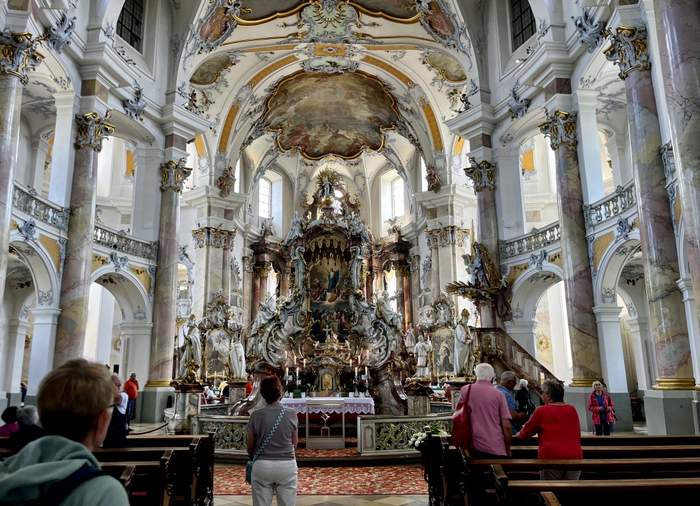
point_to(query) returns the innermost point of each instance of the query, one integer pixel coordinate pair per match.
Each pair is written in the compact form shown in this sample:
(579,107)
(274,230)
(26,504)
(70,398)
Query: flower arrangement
(419,438)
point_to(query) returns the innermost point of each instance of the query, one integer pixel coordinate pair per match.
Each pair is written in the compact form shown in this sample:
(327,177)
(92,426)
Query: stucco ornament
(518,105)
(18,54)
(59,36)
(590,33)
(629,49)
(28,230)
(134,107)
(92,129)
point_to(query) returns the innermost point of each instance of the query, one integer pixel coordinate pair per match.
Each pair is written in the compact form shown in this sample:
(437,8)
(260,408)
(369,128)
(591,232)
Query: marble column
(212,263)
(400,273)
(678,29)
(43,345)
(434,266)
(666,315)
(483,176)
(174,173)
(407,299)
(561,129)
(17,330)
(261,271)
(91,129)
(17,58)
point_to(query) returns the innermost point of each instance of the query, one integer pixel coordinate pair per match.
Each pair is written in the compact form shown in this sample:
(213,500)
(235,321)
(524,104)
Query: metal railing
(29,202)
(528,243)
(610,206)
(120,241)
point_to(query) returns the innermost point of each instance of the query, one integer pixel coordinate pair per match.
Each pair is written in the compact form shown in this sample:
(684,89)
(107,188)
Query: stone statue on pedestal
(464,346)
(410,339)
(356,267)
(192,352)
(422,351)
(237,359)
(299,268)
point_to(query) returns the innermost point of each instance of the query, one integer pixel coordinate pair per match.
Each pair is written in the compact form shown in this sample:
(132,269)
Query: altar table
(328,406)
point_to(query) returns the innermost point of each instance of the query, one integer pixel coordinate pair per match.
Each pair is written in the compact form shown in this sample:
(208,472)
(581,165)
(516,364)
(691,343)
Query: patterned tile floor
(325,481)
(333,500)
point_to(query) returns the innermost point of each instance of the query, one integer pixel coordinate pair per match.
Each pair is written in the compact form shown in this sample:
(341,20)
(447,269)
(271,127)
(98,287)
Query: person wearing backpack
(75,407)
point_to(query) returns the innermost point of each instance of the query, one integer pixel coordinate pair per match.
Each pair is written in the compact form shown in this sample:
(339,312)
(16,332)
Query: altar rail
(230,432)
(389,435)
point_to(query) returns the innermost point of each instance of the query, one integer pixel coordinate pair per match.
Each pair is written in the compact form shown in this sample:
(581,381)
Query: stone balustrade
(536,240)
(390,435)
(610,206)
(124,243)
(29,202)
(230,432)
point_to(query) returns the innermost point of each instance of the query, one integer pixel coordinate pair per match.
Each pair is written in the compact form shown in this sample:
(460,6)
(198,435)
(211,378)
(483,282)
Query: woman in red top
(559,431)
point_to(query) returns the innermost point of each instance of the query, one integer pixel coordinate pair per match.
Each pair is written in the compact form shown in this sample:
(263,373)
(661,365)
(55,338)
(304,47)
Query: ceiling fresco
(210,71)
(261,11)
(321,114)
(446,66)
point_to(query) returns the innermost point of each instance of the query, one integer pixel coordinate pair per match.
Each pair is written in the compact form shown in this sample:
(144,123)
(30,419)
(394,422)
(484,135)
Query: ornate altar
(326,336)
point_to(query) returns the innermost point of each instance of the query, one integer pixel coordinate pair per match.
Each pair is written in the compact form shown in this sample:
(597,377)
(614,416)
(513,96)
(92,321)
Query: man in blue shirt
(508,382)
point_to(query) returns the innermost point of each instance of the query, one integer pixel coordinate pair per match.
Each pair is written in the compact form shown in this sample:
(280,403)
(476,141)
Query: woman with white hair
(29,429)
(602,409)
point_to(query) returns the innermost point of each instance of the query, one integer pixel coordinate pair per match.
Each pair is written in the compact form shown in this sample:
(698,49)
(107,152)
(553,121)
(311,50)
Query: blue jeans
(130,410)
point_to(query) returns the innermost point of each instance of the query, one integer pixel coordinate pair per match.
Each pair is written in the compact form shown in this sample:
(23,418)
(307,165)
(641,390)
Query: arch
(530,286)
(611,264)
(128,291)
(41,267)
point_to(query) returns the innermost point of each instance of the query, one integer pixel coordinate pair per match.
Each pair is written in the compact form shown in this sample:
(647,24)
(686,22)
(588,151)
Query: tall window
(397,203)
(522,22)
(130,23)
(265,198)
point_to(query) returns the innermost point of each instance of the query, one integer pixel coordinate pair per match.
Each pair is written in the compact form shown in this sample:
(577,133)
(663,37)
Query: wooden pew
(549,499)
(152,482)
(621,451)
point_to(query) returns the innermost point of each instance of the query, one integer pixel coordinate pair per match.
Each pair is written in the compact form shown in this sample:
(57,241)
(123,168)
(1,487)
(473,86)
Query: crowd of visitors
(489,416)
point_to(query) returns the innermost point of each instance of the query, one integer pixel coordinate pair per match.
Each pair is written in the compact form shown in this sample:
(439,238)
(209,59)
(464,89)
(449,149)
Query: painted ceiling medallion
(447,67)
(255,12)
(210,71)
(321,114)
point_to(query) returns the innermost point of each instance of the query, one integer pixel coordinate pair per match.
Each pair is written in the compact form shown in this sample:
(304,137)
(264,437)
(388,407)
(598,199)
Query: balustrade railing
(380,434)
(120,241)
(610,206)
(29,202)
(534,241)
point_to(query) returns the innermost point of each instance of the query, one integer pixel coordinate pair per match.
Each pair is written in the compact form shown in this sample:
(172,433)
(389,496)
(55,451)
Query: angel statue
(237,359)
(191,357)
(385,312)
(295,229)
(356,267)
(299,267)
(422,351)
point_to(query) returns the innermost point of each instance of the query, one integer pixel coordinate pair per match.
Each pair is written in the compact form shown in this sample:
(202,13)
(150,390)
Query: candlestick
(286,371)
(366,376)
(356,372)
(297,372)
(304,364)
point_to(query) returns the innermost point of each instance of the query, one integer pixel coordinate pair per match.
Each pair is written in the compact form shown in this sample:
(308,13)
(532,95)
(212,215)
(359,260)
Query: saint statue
(237,359)
(295,229)
(385,312)
(266,312)
(422,350)
(191,357)
(464,345)
(299,267)
(409,339)
(445,358)
(356,267)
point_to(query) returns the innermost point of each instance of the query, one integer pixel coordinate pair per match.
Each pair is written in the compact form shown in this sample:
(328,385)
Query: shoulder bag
(261,448)
(461,423)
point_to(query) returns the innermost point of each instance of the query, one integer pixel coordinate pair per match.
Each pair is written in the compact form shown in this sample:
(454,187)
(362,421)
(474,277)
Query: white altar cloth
(356,405)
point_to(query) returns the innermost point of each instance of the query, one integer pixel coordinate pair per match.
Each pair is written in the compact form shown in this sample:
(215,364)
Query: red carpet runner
(375,480)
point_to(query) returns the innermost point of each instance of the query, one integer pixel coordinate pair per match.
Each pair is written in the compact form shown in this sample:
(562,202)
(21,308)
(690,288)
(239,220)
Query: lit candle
(297,371)
(355,372)
(286,371)
(304,363)
(366,372)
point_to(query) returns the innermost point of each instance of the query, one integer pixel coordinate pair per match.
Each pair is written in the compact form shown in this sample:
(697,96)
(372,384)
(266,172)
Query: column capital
(173,175)
(18,54)
(628,49)
(213,237)
(560,127)
(92,129)
(482,174)
(446,236)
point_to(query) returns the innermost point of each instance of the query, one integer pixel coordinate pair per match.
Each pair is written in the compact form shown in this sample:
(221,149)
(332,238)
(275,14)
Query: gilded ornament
(92,129)
(482,174)
(18,54)
(173,175)
(560,127)
(629,49)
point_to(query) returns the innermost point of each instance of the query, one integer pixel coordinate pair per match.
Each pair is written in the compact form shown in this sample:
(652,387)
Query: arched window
(265,198)
(130,23)
(397,197)
(393,198)
(522,22)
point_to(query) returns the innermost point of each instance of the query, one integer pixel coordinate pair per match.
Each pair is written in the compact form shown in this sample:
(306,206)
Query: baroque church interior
(365,199)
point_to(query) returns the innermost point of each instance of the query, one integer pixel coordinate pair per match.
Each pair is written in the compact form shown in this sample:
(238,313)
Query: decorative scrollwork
(18,54)
(396,435)
(629,49)
(227,435)
(92,129)
(560,127)
(482,174)
(173,175)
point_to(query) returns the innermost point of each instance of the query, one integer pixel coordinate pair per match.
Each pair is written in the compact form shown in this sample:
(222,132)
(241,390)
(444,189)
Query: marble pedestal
(670,412)
(153,401)
(186,407)
(236,391)
(418,405)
